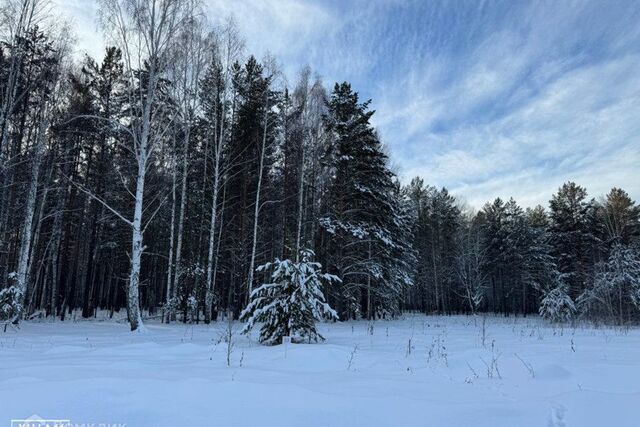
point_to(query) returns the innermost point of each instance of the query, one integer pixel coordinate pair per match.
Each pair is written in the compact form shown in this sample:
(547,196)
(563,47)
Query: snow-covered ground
(427,371)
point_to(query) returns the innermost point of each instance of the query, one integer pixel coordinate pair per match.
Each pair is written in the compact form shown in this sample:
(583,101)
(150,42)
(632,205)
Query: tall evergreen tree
(571,235)
(360,213)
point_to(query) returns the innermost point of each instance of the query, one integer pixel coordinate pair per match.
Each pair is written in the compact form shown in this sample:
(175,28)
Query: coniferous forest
(158,178)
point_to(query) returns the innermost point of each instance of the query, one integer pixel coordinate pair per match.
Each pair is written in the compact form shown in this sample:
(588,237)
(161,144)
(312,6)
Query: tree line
(579,257)
(157,178)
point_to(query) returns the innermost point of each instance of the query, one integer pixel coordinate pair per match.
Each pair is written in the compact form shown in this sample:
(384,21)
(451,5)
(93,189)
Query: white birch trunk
(36,237)
(212,256)
(169,295)
(300,205)
(22,273)
(8,102)
(210,284)
(212,232)
(183,208)
(252,263)
(133,299)
(144,30)
(142,154)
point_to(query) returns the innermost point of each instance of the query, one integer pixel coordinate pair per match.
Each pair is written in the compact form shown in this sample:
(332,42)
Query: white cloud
(83,16)
(292,30)
(548,96)
(583,127)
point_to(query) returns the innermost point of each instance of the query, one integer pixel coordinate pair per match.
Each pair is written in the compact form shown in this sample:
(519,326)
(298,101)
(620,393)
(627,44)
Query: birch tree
(144,31)
(49,69)
(192,46)
(17,19)
(468,264)
(229,48)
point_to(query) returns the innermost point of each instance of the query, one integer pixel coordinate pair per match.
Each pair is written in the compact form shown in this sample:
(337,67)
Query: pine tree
(571,236)
(619,218)
(440,222)
(494,237)
(418,195)
(292,302)
(542,273)
(253,130)
(518,245)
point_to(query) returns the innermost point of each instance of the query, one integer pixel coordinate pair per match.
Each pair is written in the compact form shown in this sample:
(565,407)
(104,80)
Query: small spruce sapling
(10,304)
(556,304)
(291,303)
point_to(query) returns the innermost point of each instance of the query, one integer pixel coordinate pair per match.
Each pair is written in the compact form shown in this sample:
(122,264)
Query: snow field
(420,370)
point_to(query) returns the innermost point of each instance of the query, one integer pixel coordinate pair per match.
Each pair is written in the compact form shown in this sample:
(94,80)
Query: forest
(158,178)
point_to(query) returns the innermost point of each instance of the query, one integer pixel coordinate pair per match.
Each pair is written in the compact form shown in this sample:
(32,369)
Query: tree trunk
(212,232)
(252,263)
(133,298)
(22,274)
(300,203)
(211,258)
(169,295)
(183,204)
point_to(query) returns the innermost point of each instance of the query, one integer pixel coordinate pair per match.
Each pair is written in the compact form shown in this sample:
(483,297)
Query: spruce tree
(494,235)
(360,210)
(556,305)
(292,302)
(542,273)
(571,236)
(614,293)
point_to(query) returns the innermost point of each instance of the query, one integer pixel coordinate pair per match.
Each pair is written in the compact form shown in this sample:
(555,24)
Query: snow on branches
(616,286)
(291,303)
(10,303)
(556,304)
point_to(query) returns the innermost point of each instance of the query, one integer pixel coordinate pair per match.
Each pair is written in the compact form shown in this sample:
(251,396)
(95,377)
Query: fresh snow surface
(364,374)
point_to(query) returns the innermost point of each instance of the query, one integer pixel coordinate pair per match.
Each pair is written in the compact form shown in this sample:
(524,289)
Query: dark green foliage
(362,213)
(292,302)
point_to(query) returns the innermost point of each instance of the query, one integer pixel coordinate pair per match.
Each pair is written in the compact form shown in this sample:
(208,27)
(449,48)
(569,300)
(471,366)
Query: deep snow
(176,375)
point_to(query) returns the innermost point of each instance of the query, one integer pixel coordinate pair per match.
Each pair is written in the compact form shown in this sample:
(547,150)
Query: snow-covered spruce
(556,304)
(10,303)
(615,291)
(291,303)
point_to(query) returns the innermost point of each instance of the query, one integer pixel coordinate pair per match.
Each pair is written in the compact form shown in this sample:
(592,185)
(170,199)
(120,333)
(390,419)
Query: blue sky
(487,98)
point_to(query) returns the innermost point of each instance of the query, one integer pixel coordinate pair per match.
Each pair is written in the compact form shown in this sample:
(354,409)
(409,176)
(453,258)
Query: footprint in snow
(556,418)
